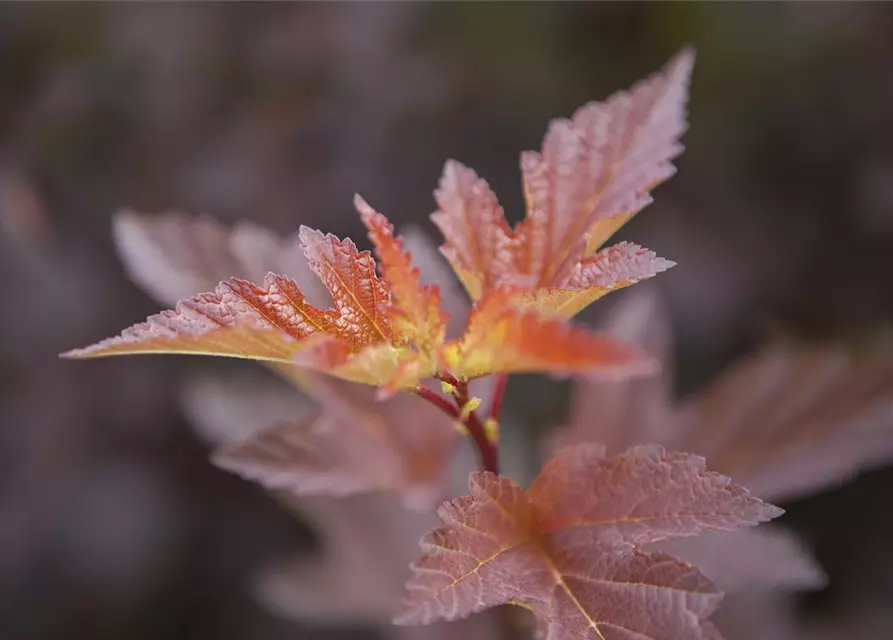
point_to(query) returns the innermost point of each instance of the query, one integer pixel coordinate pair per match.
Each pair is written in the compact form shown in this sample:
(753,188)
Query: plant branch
(487,450)
(498,393)
(438,401)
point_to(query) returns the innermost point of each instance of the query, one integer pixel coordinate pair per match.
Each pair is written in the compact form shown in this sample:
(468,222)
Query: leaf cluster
(575,547)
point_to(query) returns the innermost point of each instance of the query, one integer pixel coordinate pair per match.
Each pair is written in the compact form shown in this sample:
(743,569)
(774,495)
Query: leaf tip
(363,208)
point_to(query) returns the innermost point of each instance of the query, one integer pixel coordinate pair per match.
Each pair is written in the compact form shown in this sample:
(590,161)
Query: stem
(438,401)
(498,393)
(487,451)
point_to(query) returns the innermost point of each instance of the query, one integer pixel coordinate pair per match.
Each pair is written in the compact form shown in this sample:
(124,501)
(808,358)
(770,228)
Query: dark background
(112,522)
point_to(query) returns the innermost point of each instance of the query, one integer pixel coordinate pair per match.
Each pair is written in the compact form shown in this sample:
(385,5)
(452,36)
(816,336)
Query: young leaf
(501,338)
(416,314)
(387,332)
(595,171)
(568,549)
(434,269)
(275,323)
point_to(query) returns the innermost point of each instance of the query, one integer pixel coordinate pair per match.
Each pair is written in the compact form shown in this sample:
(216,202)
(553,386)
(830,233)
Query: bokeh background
(112,522)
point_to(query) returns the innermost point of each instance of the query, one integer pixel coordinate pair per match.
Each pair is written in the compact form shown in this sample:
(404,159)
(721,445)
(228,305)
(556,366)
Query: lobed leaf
(502,338)
(361,298)
(610,269)
(792,420)
(415,313)
(239,320)
(173,256)
(595,171)
(789,420)
(567,548)
(354,444)
(761,558)
(478,237)
(276,324)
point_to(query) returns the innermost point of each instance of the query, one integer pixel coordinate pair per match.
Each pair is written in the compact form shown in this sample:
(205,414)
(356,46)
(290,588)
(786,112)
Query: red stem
(498,393)
(487,451)
(438,401)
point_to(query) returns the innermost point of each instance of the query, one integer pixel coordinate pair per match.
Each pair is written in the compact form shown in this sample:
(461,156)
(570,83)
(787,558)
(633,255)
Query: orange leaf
(503,339)
(361,298)
(593,174)
(568,548)
(415,313)
(275,323)
(610,269)
(239,320)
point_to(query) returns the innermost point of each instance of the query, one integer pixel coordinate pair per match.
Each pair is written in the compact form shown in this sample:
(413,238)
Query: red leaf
(478,237)
(361,298)
(501,338)
(275,323)
(567,549)
(594,173)
(239,320)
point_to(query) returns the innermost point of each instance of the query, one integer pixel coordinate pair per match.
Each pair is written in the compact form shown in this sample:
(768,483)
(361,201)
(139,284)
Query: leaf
(595,171)
(610,269)
(415,314)
(174,256)
(354,444)
(239,320)
(567,548)
(361,298)
(502,338)
(788,420)
(478,237)
(275,323)
(795,419)
(623,413)
(387,332)
(763,558)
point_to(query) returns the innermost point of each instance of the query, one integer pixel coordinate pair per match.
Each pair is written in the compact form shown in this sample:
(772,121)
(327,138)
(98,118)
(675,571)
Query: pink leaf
(567,548)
